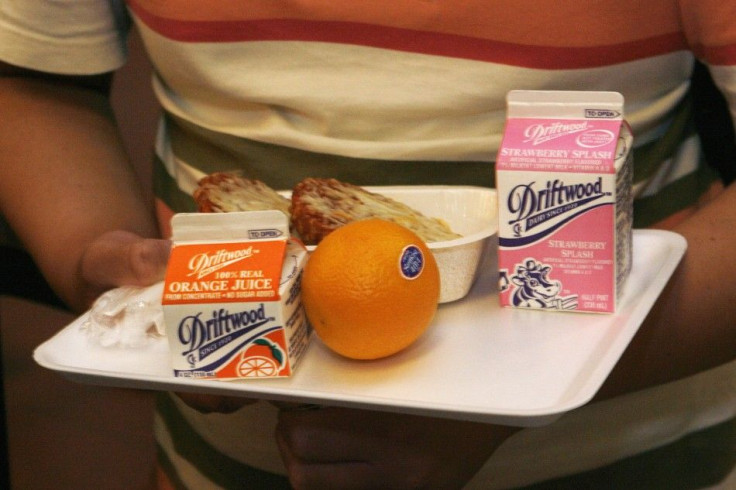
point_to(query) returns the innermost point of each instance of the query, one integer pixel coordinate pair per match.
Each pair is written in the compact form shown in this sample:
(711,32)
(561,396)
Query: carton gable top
(229,257)
(566,131)
(566,104)
(245,225)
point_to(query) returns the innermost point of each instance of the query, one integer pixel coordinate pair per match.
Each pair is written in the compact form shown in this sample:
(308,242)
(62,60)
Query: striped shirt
(385,92)
(401,92)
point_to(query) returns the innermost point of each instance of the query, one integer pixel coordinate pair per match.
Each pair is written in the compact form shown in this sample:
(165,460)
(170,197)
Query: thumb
(122,258)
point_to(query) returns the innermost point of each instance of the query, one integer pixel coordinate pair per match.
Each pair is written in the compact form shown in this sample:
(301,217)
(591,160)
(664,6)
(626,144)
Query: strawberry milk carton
(232,296)
(564,174)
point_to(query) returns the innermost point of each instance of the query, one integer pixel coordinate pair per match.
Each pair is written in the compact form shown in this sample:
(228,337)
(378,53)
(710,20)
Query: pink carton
(563,176)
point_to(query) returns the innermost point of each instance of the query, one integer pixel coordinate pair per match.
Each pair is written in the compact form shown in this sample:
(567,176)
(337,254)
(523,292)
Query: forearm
(65,177)
(693,325)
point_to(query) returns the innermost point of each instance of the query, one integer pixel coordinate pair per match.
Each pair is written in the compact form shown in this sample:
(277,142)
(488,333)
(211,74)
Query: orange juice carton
(232,296)
(563,176)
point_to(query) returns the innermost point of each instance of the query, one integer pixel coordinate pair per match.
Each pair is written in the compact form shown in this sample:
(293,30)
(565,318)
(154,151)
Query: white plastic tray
(478,361)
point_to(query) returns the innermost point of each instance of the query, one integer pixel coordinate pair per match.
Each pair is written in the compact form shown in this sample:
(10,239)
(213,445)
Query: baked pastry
(319,206)
(223,192)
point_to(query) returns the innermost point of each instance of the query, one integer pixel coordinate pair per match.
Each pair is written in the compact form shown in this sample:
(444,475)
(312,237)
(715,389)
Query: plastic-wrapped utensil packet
(126,317)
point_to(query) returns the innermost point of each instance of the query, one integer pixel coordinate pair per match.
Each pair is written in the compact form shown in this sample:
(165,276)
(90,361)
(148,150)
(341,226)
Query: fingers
(344,476)
(289,406)
(351,449)
(318,458)
(342,449)
(214,403)
(331,434)
(121,258)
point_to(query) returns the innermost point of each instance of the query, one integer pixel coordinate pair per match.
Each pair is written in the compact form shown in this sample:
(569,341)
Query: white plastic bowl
(470,211)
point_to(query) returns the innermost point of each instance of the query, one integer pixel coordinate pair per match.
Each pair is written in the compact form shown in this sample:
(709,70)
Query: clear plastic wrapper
(126,317)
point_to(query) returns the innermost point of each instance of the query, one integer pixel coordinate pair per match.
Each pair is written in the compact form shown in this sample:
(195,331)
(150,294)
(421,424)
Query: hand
(359,449)
(121,258)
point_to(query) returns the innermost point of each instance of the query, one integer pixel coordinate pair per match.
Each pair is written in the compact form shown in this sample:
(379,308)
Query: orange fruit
(370,289)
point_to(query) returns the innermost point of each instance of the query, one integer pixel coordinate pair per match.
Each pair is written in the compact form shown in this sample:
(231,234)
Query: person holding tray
(383,93)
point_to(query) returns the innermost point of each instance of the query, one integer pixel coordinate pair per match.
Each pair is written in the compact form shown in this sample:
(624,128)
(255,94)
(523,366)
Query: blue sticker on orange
(411,262)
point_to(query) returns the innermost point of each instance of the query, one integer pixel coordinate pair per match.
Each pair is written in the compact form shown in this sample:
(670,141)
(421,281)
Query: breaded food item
(224,192)
(319,206)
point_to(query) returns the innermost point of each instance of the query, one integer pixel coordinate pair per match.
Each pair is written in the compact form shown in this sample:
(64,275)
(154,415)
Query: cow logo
(533,288)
